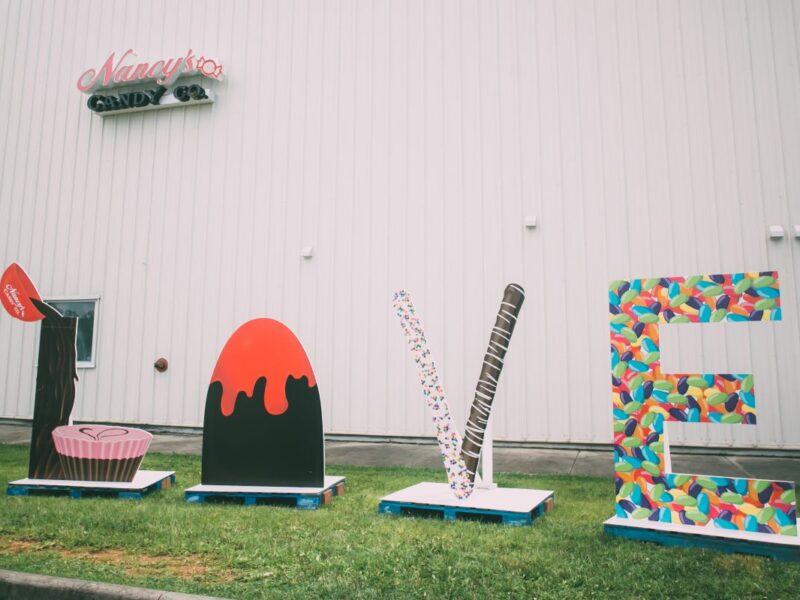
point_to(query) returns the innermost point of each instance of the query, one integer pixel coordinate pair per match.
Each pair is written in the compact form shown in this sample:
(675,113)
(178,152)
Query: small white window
(86,311)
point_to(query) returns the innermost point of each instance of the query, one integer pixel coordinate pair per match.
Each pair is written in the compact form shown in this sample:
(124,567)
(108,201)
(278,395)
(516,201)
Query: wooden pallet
(297,497)
(509,506)
(143,483)
(778,547)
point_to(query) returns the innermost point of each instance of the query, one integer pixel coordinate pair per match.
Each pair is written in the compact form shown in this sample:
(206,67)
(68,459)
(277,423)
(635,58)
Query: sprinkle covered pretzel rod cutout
(446,431)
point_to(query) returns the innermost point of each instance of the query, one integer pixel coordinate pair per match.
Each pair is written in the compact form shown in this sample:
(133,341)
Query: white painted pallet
(511,506)
(143,483)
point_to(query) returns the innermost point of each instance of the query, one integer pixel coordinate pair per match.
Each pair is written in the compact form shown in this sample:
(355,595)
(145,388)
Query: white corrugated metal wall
(406,142)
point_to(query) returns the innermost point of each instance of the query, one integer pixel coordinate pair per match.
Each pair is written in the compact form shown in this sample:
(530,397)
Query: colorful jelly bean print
(645,399)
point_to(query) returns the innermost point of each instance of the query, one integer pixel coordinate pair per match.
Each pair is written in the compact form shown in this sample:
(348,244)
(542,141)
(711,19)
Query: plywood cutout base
(509,506)
(779,547)
(308,498)
(144,482)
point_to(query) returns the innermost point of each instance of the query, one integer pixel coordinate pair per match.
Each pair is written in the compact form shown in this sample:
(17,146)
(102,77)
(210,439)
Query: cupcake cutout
(99,452)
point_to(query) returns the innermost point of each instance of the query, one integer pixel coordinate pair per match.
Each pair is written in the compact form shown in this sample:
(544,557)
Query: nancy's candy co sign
(126,72)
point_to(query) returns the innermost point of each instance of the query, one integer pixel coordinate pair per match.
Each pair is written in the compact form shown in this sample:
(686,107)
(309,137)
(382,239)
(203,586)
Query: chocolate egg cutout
(263,419)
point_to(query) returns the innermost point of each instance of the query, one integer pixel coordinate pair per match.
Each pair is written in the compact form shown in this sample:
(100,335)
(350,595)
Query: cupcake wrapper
(91,469)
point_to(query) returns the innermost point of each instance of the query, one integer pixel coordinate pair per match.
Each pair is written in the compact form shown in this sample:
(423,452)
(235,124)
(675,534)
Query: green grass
(347,550)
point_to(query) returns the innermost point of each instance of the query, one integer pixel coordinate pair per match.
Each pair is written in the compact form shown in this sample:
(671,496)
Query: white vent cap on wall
(776,232)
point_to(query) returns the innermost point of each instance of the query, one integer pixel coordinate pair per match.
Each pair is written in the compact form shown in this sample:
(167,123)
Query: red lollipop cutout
(17,293)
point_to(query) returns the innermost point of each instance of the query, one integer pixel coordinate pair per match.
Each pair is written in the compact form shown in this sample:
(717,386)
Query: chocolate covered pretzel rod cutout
(446,432)
(481,409)
(55,374)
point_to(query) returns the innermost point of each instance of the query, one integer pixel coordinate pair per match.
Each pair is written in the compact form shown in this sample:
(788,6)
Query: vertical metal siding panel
(448,60)
(784,84)
(681,200)
(492,200)
(595,410)
(290,194)
(203,339)
(323,348)
(180,387)
(340,290)
(550,63)
(538,401)
(786,52)
(575,291)
(726,217)
(360,241)
(304,214)
(414,412)
(475,244)
(510,415)
(430,178)
(20,337)
(765,351)
(379,323)
(310,181)
(401,388)
(748,195)
(703,235)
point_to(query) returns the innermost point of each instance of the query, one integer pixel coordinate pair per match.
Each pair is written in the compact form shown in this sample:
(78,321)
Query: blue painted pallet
(145,482)
(448,513)
(778,547)
(301,498)
(509,506)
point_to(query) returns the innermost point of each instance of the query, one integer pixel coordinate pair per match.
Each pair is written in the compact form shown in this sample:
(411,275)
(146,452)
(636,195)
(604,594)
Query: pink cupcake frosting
(101,442)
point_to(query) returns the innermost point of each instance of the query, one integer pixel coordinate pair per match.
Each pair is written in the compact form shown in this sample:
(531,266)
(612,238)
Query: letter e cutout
(645,399)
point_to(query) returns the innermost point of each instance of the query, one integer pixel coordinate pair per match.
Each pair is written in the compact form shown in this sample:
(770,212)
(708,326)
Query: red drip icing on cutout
(261,348)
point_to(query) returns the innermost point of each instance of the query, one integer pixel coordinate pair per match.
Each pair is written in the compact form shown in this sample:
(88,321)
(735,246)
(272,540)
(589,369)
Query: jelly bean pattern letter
(645,399)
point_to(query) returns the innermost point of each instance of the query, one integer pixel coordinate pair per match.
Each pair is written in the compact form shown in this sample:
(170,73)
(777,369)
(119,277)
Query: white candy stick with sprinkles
(446,432)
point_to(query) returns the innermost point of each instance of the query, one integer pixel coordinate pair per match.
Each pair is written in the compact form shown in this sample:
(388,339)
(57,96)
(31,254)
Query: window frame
(92,364)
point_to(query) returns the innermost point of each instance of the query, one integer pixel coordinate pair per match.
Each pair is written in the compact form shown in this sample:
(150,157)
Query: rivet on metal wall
(161,365)
(530,222)
(307,252)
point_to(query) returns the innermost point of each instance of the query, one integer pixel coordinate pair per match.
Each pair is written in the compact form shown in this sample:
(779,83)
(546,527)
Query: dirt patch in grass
(189,567)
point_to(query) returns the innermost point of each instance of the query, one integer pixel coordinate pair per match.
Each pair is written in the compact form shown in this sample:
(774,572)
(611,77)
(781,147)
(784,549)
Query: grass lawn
(347,550)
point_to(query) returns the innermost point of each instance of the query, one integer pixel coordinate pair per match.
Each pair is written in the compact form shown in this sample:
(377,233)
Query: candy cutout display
(481,409)
(461,456)
(56,373)
(64,457)
(263,418)
(461,497)
(19,295)
(99,452)
(645,399)
(447,434)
